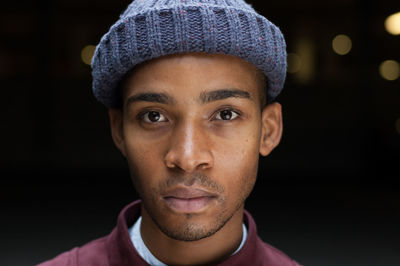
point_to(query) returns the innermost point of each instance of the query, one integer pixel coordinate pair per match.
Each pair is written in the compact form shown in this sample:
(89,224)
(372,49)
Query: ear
(117,133)
(271,129)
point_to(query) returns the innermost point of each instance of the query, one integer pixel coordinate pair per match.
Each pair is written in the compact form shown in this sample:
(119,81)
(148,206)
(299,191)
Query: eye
(153,117)
(226,115)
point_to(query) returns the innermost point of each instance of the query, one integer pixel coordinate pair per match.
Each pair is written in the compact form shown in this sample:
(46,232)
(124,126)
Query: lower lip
(188,205)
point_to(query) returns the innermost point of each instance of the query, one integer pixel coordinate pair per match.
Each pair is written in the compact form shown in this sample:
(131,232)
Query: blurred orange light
(87,54)
(390,70)
(398,125)
(392,24)
(294,63)
(341,44)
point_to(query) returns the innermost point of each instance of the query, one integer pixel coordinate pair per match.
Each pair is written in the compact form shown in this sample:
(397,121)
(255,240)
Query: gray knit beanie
(149,29)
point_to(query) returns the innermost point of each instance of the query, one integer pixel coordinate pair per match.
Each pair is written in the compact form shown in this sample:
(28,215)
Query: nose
(189,149)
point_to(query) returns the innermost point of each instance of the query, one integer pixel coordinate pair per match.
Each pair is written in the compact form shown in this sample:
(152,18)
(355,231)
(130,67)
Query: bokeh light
(389,70)
(342,44)
(392,24)
(305,50)
(294,63)
(397,125)
(87,54)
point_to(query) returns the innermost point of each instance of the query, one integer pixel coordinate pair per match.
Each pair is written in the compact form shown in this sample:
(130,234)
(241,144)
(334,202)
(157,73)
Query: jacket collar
(121,251)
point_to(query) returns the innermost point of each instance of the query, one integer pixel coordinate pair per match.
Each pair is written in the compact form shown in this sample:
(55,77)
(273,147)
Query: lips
(188,200)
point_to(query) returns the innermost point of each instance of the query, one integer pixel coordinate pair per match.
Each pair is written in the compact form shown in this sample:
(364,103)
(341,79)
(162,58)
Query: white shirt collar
(144,252)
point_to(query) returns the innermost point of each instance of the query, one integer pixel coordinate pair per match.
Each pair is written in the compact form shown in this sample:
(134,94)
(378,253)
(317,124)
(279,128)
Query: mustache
(199,179)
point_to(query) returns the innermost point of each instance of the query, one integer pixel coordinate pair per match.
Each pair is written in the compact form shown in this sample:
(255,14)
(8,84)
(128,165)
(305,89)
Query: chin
(192,227)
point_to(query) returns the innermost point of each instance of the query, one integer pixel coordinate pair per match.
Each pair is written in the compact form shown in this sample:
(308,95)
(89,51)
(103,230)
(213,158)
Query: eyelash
(141,115)
(230,109)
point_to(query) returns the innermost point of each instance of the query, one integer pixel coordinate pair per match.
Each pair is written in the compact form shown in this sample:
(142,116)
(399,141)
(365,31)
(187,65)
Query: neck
(205,251)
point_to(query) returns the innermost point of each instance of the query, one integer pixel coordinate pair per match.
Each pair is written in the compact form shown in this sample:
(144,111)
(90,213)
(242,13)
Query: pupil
(154,116)
(226,115)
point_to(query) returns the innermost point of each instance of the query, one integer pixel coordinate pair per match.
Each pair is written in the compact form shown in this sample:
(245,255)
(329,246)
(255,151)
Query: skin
(193,121)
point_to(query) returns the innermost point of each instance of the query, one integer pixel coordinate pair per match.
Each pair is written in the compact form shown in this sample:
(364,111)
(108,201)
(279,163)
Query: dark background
(328,195)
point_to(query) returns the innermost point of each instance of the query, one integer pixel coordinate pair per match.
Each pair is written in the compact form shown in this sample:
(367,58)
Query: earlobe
(271,129)
(115,116)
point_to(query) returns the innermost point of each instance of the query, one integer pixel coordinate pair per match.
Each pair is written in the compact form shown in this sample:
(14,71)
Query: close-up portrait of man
(200,132)
(190,89)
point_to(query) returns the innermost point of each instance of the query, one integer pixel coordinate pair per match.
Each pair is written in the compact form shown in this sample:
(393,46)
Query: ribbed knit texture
(149,29)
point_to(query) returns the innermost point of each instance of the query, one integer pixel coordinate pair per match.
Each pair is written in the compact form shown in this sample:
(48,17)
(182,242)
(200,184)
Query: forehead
(189,75)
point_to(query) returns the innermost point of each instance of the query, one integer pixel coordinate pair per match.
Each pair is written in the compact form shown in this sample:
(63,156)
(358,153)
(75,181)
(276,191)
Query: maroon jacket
(116,249)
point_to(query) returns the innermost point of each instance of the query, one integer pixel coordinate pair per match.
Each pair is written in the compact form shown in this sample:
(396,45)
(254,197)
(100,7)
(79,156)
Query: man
(189,86)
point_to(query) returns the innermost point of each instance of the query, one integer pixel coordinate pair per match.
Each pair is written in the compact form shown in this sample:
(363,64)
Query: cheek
(238,167)
(141,152)
(144,163)
(241,148)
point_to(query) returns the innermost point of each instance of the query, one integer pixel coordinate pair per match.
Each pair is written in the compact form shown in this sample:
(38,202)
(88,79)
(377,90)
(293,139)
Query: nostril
(188,165)
(169,162)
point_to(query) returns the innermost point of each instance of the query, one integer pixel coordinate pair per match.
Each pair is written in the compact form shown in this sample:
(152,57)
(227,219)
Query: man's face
(191,130)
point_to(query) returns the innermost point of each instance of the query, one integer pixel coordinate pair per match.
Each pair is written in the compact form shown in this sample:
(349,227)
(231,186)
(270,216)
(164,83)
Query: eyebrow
(212,96)
(205,97)
(150,97)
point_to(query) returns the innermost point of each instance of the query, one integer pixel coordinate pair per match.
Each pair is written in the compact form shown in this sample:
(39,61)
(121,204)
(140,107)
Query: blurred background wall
(328,195)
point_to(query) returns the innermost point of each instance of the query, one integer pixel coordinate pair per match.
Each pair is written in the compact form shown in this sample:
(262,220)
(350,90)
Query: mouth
(188,200)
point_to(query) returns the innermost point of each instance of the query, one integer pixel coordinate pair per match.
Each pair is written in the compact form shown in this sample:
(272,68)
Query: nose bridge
(187,139)
(188,149)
